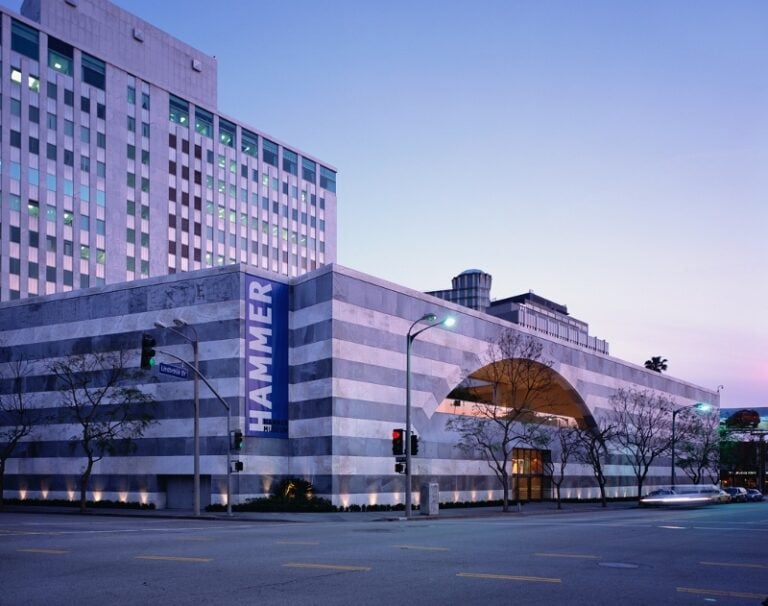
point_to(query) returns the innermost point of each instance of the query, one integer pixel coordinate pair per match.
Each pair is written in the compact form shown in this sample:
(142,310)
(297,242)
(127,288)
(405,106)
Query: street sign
(175,371)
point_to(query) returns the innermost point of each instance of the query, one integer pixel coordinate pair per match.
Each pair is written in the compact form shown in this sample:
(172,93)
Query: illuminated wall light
(143,496)
(44,493)
(23,494)
(122,496)
(473,496)
(344,500)
(71,494)
(372,498)
(266,483)
(97,495)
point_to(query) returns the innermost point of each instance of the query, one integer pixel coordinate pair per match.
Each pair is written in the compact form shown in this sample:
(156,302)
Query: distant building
(744,451)
(117,164)
(472,288)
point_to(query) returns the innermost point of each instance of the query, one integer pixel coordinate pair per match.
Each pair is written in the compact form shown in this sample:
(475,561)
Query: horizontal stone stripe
(312,291)
(311,352)
(310,390)
(314,314)
(118,331)
(312,333)
(310,409)
(126,299)
(311,371)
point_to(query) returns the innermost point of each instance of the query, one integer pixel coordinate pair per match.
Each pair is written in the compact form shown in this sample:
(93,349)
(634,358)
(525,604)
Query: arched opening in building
(523,391)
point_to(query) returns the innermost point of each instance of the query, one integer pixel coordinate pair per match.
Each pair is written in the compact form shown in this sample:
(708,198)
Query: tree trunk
(557,496)
(84,479)
(505,486)
(603,499)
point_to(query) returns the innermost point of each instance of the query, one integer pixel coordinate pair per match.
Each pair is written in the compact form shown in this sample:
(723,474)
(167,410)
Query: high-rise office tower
(117,165)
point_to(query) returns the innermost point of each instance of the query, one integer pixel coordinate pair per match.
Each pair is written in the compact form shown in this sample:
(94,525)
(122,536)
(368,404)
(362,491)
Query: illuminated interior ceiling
(503,383)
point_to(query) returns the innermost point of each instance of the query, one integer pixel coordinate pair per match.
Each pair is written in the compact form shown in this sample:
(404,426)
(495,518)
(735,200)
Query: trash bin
(430,499)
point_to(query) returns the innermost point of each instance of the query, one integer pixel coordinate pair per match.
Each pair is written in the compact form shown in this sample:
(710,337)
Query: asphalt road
(717,554)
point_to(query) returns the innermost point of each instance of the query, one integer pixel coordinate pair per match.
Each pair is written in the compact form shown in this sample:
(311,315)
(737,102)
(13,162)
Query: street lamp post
(195,341)
(700,406)
(410,337)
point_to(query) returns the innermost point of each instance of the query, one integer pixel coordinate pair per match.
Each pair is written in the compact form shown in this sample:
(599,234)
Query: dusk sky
(610,156)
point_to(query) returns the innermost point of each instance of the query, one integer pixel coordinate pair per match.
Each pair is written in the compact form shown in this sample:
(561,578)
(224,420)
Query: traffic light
(398,441)
(237,440)
(414,444)
(238,465)
(147,351)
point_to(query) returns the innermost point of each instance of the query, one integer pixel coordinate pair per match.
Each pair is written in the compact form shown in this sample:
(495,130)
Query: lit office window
(60,56)
(179,111)
(249,143)
(227,133)
(203,122)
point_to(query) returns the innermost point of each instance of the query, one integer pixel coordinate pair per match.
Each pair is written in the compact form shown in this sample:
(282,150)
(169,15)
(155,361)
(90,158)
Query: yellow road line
(507,577)
(733,565)
(327,566)
(173,558)
(421,547)
(567,555)
(298,542)
(729,594)
(52,551)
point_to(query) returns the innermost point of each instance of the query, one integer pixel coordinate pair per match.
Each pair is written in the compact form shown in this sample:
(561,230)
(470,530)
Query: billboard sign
(266,358)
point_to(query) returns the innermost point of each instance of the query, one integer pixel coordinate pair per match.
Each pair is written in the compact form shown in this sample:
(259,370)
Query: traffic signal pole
(201,376)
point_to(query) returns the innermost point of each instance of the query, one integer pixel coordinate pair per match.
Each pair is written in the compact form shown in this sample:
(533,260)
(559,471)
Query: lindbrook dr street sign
(176,371)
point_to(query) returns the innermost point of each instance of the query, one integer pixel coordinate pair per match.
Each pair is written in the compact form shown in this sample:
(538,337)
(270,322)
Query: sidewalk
(527,509)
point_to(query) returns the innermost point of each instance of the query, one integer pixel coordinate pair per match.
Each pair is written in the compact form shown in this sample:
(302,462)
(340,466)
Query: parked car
(722,497)
(738,494)
(754,495)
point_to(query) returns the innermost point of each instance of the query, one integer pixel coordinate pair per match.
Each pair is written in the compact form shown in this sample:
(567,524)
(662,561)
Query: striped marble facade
(346,389)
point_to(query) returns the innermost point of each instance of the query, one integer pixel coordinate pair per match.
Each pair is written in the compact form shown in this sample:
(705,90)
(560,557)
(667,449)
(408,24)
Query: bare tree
(563,437)
(698,446)
(642,421)
(592,449)
(507,393)
(15,417)
(108,411)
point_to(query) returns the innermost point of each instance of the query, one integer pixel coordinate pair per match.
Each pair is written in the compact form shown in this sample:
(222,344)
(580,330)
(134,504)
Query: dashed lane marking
(328,567)
(298,542)
(173,558)
(567,555)
(49,551)
(717,592)
(734,565)
(508,577)
(422,547)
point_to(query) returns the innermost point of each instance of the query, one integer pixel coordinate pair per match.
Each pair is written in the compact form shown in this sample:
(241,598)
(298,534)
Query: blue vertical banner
(266,358)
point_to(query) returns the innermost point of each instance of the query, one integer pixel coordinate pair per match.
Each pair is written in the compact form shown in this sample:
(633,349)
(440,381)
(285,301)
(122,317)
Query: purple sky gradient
(611,156)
